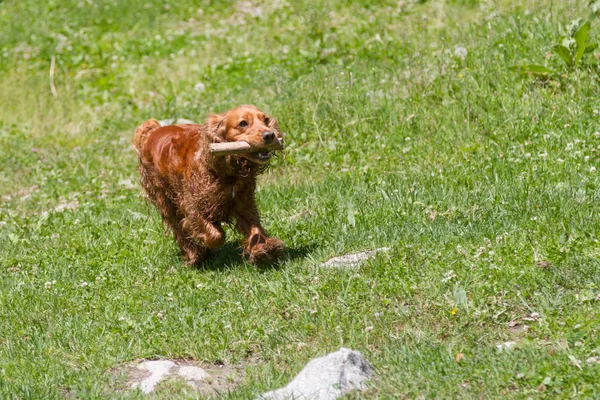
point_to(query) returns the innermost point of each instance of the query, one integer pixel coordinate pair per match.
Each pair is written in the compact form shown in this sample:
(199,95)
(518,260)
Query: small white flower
(569,146)
(593,169)
(48,285)
(84,284)
(199,87)
(460,52)
(543,155)
(448,276)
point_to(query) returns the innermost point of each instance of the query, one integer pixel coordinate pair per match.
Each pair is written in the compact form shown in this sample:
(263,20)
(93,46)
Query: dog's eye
(267,121)
(242,124)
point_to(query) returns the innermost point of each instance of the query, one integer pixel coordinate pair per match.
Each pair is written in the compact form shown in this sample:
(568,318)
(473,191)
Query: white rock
(158,369)
(352,260)
(192,374)
(326,378)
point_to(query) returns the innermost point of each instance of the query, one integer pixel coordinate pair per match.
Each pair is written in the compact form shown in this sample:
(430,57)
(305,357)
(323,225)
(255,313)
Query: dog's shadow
(230,256)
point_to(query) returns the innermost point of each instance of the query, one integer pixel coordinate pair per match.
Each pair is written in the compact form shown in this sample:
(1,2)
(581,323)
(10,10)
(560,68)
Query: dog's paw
(195,257)
(262,249)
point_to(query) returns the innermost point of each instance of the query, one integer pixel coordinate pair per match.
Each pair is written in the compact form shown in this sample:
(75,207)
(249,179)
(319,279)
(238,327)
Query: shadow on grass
(230,256)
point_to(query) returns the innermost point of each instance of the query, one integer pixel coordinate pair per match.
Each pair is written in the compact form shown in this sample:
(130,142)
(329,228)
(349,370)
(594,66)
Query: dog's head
(245,123)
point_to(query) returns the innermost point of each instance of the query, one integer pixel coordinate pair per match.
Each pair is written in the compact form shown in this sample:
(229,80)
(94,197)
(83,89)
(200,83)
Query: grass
(483,183)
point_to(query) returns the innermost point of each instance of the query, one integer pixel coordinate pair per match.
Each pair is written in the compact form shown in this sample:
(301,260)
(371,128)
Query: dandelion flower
(460,52)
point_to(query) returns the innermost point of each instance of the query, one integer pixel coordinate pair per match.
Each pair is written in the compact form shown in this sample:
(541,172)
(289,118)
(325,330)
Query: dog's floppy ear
(215,124)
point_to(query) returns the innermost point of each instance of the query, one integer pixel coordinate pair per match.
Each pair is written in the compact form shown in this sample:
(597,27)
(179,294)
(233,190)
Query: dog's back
(142,132)
(170,149)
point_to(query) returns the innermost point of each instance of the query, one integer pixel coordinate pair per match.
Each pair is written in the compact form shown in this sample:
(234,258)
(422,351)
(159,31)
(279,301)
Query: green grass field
(406,127)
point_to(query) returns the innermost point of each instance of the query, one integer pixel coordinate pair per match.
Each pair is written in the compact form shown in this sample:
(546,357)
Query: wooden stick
(222,149)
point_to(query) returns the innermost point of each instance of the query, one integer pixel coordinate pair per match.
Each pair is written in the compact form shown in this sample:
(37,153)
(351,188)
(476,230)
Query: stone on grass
(207,380)
(192,374)
(159,369)
(352,260)
(326,378)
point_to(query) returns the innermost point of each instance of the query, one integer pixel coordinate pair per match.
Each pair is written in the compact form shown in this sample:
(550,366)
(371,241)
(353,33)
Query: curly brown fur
(195,192)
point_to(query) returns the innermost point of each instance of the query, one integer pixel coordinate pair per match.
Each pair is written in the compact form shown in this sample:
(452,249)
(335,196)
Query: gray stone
(158,369)
(326,378)
(193,374)
(207,380)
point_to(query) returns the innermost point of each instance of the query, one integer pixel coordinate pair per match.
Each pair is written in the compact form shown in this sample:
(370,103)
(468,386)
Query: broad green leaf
(351,219)
(591,47)
(581,37)
(563,53)
(532,69)
(460,297)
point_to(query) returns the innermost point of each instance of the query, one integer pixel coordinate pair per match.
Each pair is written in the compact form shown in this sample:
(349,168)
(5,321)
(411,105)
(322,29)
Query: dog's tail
(141,133)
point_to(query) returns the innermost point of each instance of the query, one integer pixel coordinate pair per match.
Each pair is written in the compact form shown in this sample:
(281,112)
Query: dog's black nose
(268,136)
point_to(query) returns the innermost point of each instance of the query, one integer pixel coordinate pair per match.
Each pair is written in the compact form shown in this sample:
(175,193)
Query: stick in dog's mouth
(260,153)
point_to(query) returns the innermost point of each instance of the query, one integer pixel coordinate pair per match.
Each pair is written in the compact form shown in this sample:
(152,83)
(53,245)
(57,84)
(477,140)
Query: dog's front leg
(209,234)
(258,247)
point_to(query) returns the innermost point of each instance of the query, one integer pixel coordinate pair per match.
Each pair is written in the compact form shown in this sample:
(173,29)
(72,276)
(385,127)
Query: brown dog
(195,191)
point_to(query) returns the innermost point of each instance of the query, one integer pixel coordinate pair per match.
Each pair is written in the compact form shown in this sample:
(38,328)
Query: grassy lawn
(406,128)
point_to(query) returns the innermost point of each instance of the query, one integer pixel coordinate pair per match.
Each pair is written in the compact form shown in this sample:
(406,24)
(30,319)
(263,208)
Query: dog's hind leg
(192,251)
